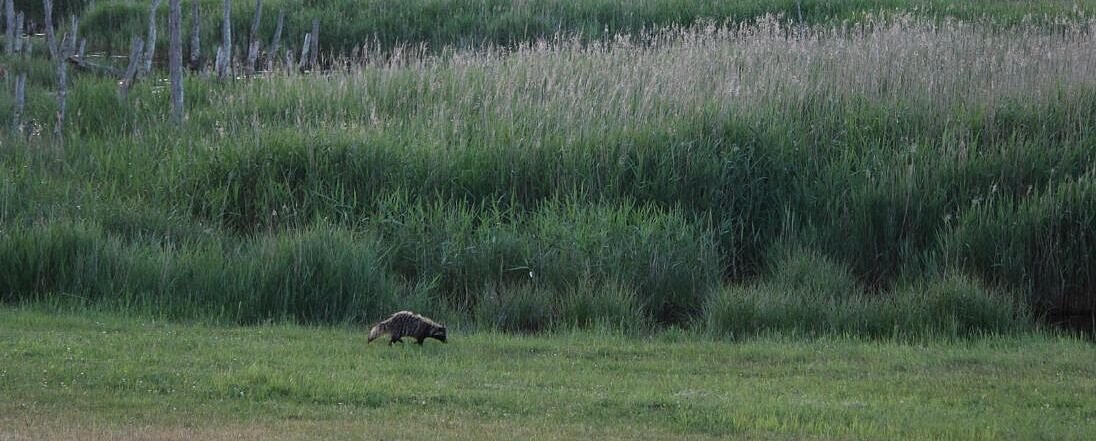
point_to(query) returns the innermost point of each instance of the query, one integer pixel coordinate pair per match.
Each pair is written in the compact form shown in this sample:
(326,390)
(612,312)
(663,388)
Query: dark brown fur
(408,324)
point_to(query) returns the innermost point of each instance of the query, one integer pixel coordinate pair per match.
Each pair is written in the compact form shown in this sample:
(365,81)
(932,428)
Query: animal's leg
(419,340)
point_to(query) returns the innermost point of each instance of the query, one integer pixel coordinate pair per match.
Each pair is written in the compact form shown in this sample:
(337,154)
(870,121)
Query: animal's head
(438,333)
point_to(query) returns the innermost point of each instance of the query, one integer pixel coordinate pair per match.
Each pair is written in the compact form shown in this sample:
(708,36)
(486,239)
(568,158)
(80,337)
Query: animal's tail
(374,333)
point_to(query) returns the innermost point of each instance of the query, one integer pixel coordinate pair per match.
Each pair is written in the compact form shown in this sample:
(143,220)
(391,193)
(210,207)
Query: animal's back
(398,325)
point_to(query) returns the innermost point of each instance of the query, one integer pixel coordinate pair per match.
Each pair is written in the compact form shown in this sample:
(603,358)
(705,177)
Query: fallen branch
(83,65)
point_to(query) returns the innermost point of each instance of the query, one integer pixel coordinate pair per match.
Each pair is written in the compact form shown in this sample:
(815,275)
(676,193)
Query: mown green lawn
(101,376)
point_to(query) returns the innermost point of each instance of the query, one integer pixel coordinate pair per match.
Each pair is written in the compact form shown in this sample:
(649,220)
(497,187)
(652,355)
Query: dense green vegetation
(900,177)
(62,9)
(94,376)
(385,24)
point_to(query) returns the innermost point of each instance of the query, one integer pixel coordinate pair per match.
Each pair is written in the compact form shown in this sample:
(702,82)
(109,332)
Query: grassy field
(641,219)
(97,376)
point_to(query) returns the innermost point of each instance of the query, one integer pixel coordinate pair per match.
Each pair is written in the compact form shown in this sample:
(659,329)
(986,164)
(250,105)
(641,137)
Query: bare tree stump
(131,72)
(175,58)
(253,44)
(219,62)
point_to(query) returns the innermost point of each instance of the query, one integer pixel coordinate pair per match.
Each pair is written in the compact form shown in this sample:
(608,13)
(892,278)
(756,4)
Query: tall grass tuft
(805,293)
(70,258)
(320,275)
(609,305)
(1043,244)
(809,294)
(520,307)
(955,305)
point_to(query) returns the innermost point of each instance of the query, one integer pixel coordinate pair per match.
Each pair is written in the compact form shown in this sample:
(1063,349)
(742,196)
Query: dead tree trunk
(150,43)
(304,52)
(313,62)
(253,44)
(276,42)
(25,29)
(224,55)
(131,72)
(51,40)
(9,29)
(62,88)
(175,58)
(17,107)
(74,29)
(19,43)
(195,36)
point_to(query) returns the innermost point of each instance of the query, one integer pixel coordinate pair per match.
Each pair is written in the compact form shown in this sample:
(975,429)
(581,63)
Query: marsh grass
(526,307)
(318,275)
(433,260)
(667,161)
(807,294)
(437,24)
